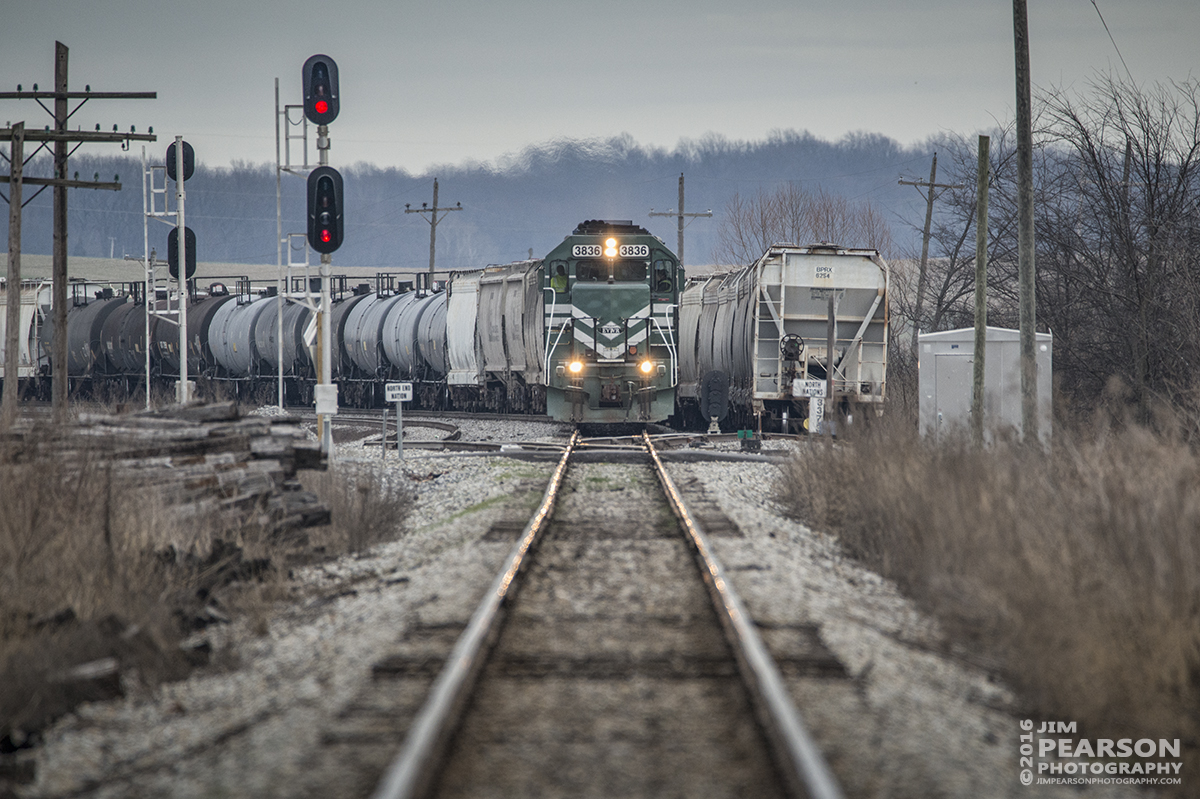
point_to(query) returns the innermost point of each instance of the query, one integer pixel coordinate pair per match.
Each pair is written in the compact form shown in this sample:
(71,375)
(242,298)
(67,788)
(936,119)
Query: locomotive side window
(629,271)
(663,278)
(595,271)
(558,276)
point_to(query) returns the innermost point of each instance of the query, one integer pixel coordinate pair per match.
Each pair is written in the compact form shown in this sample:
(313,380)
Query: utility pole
(680,215)
(61,138)
(1025,231)
(432,220)
(12,343)
(981,237)
(932,185)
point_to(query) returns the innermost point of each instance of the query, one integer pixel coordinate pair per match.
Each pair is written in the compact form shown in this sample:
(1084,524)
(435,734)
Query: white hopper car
(762,332)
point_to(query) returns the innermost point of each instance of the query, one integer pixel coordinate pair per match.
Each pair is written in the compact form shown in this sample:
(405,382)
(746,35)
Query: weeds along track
(609,658)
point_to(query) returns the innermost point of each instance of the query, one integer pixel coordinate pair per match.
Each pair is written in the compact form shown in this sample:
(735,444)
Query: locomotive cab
(611,293)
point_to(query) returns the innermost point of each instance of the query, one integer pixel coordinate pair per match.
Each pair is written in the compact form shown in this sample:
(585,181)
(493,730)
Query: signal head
(189,252)
(325,212)
(321,95)
(189,161)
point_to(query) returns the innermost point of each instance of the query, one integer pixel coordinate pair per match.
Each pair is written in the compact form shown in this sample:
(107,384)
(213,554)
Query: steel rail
(369,417)
(797,755)
(412,772)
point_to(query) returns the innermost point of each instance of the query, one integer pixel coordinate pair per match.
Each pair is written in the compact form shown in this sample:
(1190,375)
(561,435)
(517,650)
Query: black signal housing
(189,161)
(189,254)
(322,100)
(325,212)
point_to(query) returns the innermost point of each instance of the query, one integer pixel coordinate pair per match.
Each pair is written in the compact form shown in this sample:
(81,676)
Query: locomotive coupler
(610,393)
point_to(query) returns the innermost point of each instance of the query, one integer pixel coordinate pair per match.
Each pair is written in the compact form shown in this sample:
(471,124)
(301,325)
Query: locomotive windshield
(623,271)
(630,271)
(591,270)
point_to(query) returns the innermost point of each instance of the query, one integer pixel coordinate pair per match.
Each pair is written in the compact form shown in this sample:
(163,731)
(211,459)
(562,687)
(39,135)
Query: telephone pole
(1025,225)
(12,320)
(932,185)
(432,220)
(981,239)
(61,137)
(680,215)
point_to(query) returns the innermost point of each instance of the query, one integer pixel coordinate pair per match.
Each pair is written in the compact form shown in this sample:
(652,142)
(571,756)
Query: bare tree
(790,214)
(1118,238)
(1117,252)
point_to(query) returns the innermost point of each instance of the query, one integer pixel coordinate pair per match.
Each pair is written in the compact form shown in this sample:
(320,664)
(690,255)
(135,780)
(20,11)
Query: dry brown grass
(1078,570)
(366,506)
(84,574)
(78,582)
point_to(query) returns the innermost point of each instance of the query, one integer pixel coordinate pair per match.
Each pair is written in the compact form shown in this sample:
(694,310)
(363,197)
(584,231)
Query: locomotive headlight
(610,248)
(576,367)
(647,367)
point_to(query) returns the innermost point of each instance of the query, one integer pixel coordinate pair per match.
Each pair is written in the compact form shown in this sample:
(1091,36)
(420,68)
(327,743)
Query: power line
(1114,41)
(60,137)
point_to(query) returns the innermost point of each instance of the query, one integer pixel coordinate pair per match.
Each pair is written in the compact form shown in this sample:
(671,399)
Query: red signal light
(320,78)
(326,236)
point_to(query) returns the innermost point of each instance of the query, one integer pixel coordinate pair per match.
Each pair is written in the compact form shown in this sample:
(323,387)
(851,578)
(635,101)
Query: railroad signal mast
(294,242)
(156,204)
(181,251)
(322,101)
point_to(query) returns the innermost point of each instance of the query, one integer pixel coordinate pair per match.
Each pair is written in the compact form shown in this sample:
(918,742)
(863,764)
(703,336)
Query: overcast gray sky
(443,81)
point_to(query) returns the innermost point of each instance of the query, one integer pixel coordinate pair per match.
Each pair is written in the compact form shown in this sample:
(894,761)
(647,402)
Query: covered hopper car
(758,337)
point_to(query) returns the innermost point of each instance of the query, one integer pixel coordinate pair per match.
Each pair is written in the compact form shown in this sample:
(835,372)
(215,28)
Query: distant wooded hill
(527,201)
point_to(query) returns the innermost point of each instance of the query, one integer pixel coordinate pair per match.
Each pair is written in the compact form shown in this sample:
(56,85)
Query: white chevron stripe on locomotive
(608,345)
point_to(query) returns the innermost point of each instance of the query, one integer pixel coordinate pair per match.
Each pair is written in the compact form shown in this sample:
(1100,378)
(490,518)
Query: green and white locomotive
(587,333)
(611,292)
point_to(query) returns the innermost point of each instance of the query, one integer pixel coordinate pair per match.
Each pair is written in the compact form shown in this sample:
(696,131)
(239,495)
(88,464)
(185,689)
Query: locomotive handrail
(669,343)
(549,330)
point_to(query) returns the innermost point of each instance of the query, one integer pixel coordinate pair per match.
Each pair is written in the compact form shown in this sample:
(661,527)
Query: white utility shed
(947,367)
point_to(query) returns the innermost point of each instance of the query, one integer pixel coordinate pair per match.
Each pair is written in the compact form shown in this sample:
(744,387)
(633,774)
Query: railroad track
(451,441)
(601,662)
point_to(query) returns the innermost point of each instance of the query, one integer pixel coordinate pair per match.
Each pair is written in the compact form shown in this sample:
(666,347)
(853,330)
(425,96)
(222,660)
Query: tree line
(521,202)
